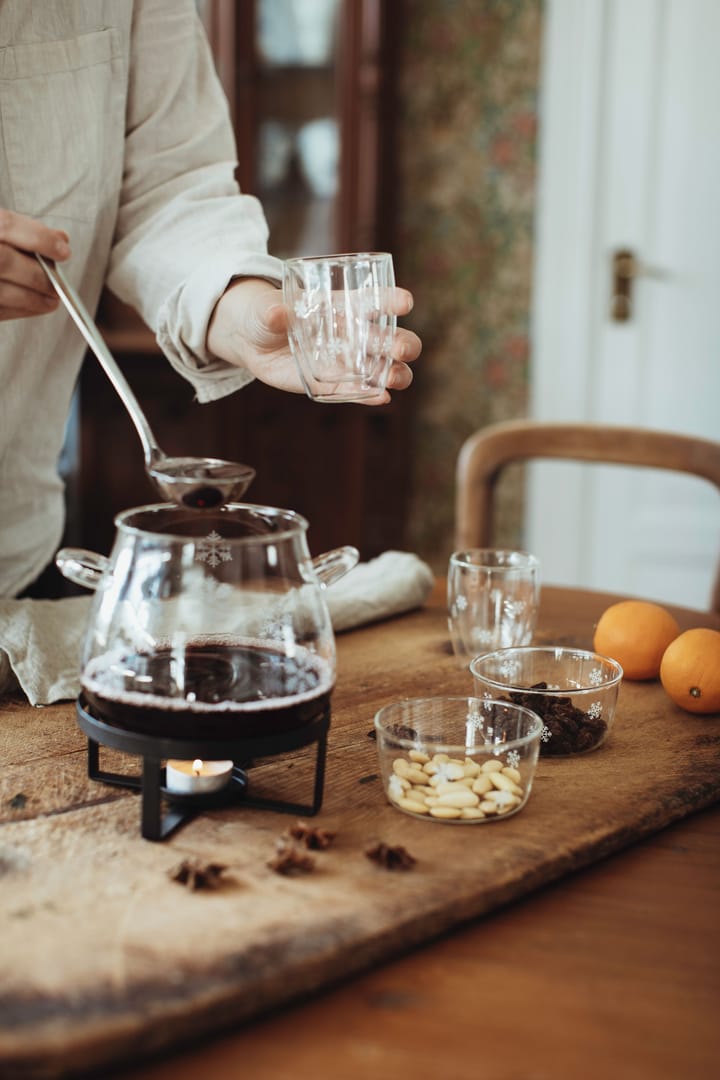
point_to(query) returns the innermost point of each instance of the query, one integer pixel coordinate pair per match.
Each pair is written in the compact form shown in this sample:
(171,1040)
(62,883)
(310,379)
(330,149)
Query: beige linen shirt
(113,127)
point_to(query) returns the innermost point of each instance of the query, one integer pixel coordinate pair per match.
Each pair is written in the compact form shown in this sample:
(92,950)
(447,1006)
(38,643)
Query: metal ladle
(199,482)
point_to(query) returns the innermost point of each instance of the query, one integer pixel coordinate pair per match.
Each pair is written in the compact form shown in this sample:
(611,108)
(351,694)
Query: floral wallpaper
(467,173)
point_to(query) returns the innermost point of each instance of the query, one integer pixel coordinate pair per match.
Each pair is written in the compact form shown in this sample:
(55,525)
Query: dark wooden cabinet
(314,144)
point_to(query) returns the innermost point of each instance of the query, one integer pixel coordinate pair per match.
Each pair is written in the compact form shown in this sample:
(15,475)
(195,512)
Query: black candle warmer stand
(156,825)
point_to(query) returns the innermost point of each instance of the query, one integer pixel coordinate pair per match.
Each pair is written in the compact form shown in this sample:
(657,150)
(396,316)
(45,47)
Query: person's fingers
(400,377)
(27,234)
(406,347)
(402,301)
(18,268)
(17,302)
(381,399)
(25,289)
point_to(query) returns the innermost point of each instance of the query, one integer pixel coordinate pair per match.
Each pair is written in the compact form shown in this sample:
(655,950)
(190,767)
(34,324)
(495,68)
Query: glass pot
(208,623)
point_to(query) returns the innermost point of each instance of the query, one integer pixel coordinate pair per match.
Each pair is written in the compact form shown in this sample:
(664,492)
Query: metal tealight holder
(163,811)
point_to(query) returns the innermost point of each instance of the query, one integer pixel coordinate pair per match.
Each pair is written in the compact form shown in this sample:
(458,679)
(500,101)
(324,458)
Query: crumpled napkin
(41,640)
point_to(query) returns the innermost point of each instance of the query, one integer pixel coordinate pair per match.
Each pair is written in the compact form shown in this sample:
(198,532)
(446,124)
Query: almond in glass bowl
(458,760)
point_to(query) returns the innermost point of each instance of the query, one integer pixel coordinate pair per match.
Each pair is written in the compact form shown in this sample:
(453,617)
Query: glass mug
(493,596)
(208,623)
(341,328)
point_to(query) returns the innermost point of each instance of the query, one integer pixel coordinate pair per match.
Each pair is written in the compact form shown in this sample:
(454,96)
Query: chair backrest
(484,455)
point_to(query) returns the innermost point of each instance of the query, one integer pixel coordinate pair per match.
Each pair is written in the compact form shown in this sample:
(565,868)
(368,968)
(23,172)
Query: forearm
(184,231)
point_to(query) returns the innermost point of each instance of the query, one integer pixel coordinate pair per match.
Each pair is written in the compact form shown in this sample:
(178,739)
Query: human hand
(249,328)
(24,286)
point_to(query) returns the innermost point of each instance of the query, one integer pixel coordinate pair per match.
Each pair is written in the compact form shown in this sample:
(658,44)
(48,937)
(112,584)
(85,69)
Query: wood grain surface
(105,958)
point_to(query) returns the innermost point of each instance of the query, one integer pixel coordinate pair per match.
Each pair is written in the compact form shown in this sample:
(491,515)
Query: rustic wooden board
(103,958)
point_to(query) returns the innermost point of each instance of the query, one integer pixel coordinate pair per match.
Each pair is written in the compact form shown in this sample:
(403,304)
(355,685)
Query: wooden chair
(485,454)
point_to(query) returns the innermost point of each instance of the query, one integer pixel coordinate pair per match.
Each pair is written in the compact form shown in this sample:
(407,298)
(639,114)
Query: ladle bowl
(198,482)
(201,483)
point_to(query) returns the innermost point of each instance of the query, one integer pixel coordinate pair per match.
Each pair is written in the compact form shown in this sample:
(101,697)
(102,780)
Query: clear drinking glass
(493,596)
(341,325)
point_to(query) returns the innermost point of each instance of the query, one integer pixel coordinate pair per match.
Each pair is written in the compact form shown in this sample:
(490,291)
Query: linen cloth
(114,127)
(41,640)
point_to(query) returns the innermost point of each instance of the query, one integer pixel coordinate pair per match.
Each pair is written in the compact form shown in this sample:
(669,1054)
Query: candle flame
(197,767)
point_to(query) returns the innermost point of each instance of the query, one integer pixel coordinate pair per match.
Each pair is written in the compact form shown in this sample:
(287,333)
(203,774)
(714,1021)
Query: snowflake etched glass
(298,678)
(509,668)
(395,787)
(213,550)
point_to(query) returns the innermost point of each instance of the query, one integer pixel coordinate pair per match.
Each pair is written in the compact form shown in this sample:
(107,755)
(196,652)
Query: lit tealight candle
(197,777)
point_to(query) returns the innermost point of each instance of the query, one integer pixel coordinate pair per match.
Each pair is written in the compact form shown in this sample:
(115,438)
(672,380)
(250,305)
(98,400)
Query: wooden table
(611,970)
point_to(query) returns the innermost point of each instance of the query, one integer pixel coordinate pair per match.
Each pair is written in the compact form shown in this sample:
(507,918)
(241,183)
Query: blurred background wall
(468,89)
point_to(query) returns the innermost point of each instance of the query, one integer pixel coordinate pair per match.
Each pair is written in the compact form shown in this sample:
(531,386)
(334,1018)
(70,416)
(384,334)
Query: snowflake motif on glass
(513,608)
(508,668)
(595,710)
(513,759)
(545,734)
(483,637)
(213,550)
(503,798)
(446,769)
(474,721)
(595,677)
(277,627)
(395,788)
(461,603)
(298,678)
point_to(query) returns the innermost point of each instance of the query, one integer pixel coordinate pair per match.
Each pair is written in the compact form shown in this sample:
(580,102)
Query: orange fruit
(636,633)
(690,670)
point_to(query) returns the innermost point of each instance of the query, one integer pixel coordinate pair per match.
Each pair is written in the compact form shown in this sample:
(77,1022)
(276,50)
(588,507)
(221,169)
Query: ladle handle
(86,325)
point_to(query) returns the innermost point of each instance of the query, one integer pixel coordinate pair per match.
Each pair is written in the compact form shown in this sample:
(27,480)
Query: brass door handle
(625,269)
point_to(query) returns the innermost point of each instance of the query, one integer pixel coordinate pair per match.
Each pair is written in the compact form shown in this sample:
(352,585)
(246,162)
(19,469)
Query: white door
(629,159)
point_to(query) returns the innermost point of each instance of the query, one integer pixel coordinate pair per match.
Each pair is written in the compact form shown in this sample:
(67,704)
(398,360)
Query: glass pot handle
(335,564)
(81,567)
(86,567)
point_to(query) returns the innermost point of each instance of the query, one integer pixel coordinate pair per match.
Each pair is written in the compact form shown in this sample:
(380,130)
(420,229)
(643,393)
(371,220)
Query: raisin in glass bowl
(573,691)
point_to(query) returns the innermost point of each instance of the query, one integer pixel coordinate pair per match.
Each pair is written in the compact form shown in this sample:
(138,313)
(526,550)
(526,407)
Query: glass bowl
(573,691)
(459,760)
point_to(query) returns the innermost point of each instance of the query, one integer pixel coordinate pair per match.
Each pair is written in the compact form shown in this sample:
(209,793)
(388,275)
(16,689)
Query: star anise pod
(391,858)
(314,838)
(290,859)
(197,875)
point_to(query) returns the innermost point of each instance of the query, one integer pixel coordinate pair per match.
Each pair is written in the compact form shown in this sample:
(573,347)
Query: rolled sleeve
(183,321)
(184,230)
